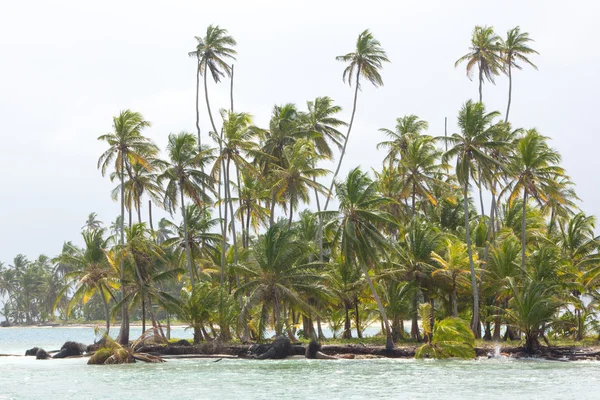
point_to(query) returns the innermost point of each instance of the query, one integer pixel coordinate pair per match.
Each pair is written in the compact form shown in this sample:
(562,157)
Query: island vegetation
(271,241)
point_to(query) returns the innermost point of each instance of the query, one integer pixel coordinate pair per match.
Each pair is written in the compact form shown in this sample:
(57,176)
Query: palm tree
(92,222)
(320,119)
(90,273)
(470,148)
(533,169)
(127,147)
(407,127)
(211,52)
(485,53)
(184,179)
(278,279)
(361,242)
(294,180)
(366,61)
(532,304)
(515,49)
(453,265)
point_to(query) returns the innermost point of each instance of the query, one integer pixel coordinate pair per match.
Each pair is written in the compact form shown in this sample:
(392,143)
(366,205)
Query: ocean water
(27,378)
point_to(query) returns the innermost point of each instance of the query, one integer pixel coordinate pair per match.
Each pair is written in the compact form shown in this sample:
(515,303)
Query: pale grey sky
(68,66)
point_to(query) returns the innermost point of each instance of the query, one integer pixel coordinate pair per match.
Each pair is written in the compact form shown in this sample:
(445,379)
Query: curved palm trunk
(124,331)
(197,102)
(475,320)
(229,198)
(188,253)
(524,230)
(509,92)
(454,298)
(389,342)
(106,312)
(337,170)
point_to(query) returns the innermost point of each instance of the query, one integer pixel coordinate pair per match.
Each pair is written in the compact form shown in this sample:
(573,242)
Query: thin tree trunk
(124,331)
(231,88)
(347,327)
(272,216)
(509,91)
(143,315)
(475,320)
(357,319)
(106,313)
(150,216)
(414,329)
(480,187)
(291,216)
(389,343)
(197,103)
(480,83)
(414,193)
(454,298)
(229,198)
(139,210)
(320,333)
(524,230)
(337,170)
(188,253)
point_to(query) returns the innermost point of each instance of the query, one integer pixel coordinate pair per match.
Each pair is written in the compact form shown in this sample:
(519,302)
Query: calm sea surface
(27,378)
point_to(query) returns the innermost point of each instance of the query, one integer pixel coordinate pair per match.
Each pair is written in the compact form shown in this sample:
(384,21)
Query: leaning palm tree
(127,147)
(534,170)
(361,241)
(470,148)
(366,61)
(183,178)
(211,52)
(485,54)
(515,49)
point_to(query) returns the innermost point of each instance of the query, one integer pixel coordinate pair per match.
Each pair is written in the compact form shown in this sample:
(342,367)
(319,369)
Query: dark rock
(32,352)
(280,348)
(182,342)
(4,324)
(42,355)
(70,349)
(312,349)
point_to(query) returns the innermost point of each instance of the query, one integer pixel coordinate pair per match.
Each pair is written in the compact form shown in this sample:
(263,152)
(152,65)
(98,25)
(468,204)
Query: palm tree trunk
(414,329)
(347,330)
(480,83)
(389,343)
(337,170)
(454,298)
(480,187)
(414,193)
(509,91)
(231,88)
(197,102)
(124,331)
(291,215)
(233,233)
(272,216)
(106,312)
(188,253)
(524,230)
(357,319)
(212,122)
(143,315)
(475,320)
(139,210)
(150,216)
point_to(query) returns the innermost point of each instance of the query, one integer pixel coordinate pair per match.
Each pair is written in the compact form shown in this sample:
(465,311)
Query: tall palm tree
(361,242)
(127,146)
(92,223)
(470,148)
(366,61)
(406,127)
(183,178)
(294,180)
(534,169)
(321,120)
(211,52)
(514,50)
(485,54)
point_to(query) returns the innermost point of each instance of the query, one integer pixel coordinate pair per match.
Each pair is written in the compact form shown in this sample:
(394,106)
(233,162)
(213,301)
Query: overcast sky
(67,67)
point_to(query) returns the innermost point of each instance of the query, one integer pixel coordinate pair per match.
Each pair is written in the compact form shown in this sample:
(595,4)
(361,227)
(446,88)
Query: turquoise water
(27,378)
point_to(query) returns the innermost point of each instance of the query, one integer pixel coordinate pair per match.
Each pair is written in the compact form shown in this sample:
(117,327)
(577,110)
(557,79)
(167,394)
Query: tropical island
(273,241)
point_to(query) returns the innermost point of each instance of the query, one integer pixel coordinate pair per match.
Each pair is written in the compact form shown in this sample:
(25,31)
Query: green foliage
(452,337)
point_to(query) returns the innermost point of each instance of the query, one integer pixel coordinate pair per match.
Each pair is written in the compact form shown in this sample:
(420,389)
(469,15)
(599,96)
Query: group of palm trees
(245,259)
